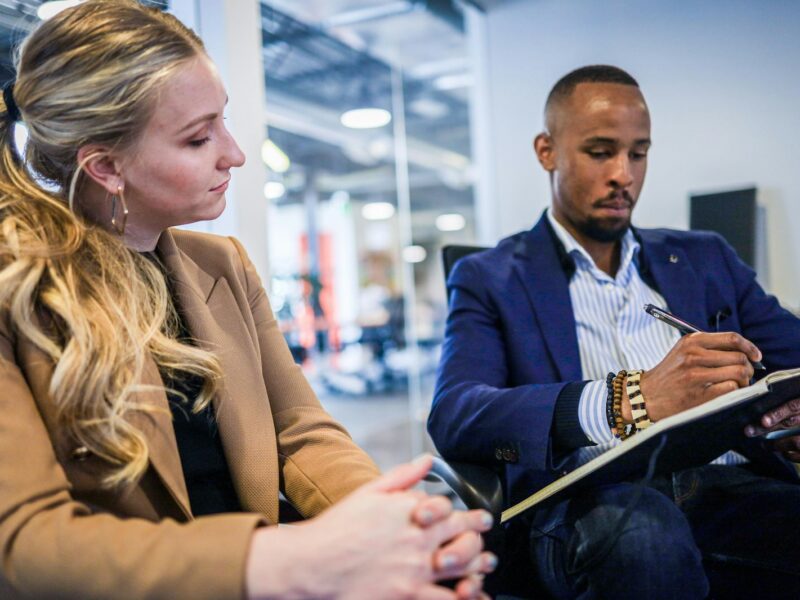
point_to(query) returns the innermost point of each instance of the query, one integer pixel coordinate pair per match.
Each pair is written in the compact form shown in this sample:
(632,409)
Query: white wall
(723,83)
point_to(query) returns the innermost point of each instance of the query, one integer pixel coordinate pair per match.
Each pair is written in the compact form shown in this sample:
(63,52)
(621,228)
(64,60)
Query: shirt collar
(629,252)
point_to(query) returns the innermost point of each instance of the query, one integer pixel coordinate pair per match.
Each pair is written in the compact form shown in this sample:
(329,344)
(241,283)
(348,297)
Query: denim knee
(592,553)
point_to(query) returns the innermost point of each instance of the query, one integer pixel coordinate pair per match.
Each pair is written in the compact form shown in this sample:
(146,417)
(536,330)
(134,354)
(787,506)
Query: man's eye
(199,142)
(598,153)
(638,155)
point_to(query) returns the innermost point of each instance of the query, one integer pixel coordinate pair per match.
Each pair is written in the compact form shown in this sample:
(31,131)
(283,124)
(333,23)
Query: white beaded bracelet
(641,420)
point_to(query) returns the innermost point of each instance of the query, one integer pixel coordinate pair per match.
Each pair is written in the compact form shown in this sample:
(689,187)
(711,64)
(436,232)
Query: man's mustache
(614,198)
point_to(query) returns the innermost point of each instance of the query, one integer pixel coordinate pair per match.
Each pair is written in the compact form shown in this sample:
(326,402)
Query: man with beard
(543,328)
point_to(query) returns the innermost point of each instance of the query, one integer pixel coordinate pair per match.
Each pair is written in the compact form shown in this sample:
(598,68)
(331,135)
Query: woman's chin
(211,212)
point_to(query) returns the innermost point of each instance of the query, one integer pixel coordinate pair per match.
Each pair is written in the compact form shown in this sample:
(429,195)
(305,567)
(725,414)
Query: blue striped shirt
(614,333)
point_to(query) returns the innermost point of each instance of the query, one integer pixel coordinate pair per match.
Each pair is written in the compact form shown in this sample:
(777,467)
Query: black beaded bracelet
(610,400)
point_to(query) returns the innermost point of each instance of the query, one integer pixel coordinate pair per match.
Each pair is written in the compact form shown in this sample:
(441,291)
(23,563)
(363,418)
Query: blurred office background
(344,213)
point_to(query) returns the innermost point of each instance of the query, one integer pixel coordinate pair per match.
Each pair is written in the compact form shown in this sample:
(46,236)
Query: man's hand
(698,368)
(785,416)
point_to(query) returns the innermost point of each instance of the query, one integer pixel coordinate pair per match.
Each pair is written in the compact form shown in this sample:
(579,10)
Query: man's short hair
(589,74)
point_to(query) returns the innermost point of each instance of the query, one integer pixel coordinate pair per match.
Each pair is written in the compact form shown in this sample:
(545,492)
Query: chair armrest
(476,486)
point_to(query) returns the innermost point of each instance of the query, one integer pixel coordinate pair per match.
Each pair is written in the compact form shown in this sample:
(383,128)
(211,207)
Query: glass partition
(361,201)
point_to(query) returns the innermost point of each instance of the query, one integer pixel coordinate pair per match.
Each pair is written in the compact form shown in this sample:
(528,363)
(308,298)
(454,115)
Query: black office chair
(481,487)
(476,486)
(452,253)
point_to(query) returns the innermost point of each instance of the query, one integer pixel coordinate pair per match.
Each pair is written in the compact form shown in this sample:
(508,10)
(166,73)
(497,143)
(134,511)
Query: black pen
(682,326)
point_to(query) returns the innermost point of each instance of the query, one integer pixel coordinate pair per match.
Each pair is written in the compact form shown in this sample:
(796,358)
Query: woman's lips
(221,187)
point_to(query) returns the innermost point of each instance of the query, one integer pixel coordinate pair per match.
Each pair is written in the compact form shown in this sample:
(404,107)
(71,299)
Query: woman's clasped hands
(385,541)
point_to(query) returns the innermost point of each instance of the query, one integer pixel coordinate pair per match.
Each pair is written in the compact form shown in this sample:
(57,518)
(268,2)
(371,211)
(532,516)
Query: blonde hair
(90,75)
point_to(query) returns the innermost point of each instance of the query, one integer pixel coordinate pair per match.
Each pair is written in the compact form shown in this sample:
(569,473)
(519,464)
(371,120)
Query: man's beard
(605,230)
(608,229)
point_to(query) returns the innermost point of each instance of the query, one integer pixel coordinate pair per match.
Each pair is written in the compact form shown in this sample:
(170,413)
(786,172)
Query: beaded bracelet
(620,430)
(641,420)
(610,400)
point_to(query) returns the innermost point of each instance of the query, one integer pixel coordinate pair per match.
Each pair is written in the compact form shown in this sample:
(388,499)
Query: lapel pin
(673,258)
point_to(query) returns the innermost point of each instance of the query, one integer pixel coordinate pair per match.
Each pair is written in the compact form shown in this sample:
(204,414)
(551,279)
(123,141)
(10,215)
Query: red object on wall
(329,322)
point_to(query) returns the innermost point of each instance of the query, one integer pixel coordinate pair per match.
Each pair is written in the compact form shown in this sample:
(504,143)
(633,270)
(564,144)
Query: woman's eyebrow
(193,122)
(207,117)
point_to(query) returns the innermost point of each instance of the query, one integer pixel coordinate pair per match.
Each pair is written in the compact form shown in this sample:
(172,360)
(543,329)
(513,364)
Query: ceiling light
(377,211)
(366,118)
(274,157)
(453,82)
(381,147)
(429,108)
(274,190)
(340,196)
(51,9)
(450,222)
(414,254)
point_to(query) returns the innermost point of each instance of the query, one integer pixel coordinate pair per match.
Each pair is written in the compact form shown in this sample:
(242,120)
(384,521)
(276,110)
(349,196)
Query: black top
(205,468)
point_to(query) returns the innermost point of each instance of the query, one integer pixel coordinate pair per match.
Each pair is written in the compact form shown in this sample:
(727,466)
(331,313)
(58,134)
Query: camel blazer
(61,536)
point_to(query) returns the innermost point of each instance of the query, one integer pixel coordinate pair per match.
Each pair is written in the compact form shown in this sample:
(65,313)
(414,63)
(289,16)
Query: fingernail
(491,561)
(422,458)
(448,561)
(426,517)
(472,590)
(767,421)
(749,431)
(487,519)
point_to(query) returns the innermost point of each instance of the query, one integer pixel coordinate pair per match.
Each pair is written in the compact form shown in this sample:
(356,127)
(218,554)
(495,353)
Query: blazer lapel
(674,277)
(539,268)
(213,317)
(157,428)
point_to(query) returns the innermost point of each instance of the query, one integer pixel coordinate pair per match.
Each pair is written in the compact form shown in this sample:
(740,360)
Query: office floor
(380,424)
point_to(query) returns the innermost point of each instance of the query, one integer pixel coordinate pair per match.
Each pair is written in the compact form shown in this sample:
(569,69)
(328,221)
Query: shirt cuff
(592,412)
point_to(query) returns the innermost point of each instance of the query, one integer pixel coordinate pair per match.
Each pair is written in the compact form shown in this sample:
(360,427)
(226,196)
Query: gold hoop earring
(118,223)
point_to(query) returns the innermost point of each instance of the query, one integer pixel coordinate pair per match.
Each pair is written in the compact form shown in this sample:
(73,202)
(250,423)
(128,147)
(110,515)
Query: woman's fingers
(452,558)
(470,588)
(431,509)
(435,592)
(453,568)
(459,522)
(401,477)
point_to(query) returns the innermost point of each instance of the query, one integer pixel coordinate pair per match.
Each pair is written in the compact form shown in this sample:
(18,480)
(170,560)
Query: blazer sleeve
(320,463)
(772,328)
(479,413)
(54,546)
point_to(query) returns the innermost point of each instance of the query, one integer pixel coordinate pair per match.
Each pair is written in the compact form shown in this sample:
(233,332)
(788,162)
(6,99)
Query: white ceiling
(411,40)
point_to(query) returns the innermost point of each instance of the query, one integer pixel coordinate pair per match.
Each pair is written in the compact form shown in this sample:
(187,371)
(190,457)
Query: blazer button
(509,455)
(80,453)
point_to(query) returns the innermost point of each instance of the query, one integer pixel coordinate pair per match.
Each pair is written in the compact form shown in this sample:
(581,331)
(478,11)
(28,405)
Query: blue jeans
(720,530)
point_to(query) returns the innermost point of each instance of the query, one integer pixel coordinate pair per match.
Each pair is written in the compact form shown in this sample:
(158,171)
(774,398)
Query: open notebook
(691,438)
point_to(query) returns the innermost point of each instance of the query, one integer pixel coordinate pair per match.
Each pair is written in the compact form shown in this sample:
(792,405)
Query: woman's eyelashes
(196,143)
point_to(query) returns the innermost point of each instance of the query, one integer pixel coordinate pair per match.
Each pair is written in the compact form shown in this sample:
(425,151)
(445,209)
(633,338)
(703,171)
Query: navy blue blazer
(511,344)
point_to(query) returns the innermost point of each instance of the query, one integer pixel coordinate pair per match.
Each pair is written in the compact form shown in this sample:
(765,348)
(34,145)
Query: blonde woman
(150,411)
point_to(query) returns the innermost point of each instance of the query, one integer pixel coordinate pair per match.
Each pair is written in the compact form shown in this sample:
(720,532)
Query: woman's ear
(98,164)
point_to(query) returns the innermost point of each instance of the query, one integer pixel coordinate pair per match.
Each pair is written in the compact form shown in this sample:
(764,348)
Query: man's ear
(98,164)
(543,146)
